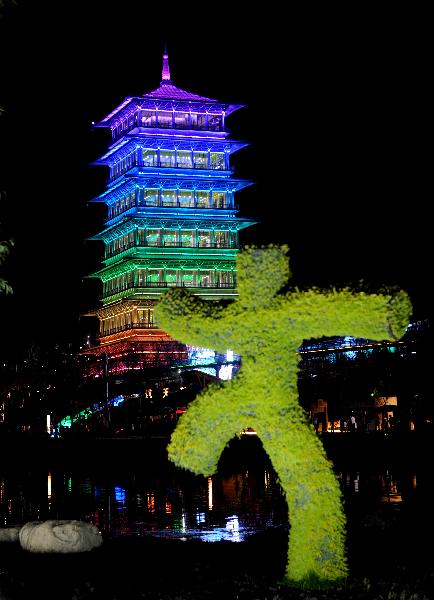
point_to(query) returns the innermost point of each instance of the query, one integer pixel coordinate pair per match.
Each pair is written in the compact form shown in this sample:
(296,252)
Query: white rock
(59,536)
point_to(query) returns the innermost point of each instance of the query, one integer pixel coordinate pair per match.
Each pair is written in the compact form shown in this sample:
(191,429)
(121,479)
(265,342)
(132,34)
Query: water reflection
(222,507)
(176,504)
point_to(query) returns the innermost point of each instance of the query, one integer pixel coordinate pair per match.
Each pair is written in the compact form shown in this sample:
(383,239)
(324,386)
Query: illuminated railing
(167,244)
(168,164)
(126,327)
(180,204)
(166,284)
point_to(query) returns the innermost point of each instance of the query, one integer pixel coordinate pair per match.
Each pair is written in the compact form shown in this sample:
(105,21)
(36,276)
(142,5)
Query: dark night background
(338,114)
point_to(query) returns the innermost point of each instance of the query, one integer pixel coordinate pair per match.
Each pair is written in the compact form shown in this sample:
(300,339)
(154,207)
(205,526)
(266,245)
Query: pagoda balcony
(165,285)
(168,244)
(126,327)
(171,204)
(135,165)
(167,164)
(183,204)
(218,127)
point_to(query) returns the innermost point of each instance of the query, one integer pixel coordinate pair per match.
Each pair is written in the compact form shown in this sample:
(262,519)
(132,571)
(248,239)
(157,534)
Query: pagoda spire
(165,75)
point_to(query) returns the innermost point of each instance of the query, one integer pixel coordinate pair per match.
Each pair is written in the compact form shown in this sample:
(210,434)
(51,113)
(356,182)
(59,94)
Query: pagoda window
(185,199)
(193,120)
(171,277)
(205,278)
(202,199)
(153,237)
(215,123)
(149,118)
(184,160)
(151,197)
(141,236)
(130,200)
(149,158)
(145,316)
(154,276)
(217,160)
(221,239)
(141,277)
(167,158)
(218,200)
(225,278)
(181,120)
(168,197)
(201,121)
(203,238)
(189,278)
(169,237)
(200,160)
(165,118)
(187,239)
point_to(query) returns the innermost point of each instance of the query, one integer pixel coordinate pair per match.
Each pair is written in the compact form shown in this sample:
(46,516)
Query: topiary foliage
(266,328)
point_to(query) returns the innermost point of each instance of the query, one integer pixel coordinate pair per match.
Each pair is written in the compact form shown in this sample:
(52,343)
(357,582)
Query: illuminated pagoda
(171,217)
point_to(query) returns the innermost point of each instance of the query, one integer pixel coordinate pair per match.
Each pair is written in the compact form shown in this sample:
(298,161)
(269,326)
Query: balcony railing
(168,164)
(166,284)
(180,204)
(126,327)
(166,244)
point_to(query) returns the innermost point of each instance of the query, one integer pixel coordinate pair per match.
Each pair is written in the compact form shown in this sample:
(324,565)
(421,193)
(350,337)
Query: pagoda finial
(165,75)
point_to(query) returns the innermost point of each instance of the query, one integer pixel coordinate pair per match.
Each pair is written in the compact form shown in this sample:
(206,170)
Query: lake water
(150,497)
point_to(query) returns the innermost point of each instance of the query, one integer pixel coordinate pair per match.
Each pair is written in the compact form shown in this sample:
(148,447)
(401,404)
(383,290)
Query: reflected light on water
(49,485)
(176,504)
(233,526)
(356,483)
(209,493)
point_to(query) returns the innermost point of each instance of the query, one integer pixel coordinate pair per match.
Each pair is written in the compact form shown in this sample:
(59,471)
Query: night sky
(338,116)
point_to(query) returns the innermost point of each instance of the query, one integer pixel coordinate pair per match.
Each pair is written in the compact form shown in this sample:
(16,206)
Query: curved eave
(106,121)
(167,182)
(163,255)
(193,222)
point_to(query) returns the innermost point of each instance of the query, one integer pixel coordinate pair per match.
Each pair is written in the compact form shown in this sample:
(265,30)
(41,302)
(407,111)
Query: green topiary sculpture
(266,328)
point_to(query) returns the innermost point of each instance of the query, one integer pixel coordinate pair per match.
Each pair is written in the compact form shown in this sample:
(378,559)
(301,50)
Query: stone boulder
(59,536)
